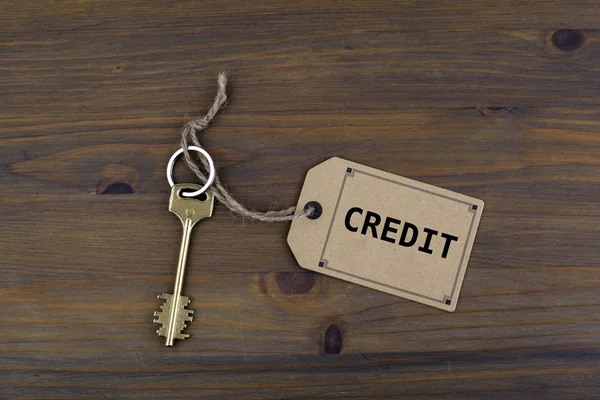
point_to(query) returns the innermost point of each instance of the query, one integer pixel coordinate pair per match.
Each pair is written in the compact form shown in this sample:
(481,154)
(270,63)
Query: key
(173,315)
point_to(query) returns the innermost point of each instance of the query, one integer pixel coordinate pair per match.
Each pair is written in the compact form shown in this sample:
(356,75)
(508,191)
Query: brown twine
(189,136)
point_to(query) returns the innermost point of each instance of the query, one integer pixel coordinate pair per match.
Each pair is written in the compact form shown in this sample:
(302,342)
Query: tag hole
(316,207)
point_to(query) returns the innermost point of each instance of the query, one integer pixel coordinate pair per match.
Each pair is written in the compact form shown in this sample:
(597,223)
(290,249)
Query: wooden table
(496,100)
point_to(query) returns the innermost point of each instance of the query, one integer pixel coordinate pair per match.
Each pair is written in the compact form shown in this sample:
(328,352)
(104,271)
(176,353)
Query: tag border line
(350,171)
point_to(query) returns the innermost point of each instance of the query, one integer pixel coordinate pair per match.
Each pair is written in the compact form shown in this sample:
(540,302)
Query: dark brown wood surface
(496,100)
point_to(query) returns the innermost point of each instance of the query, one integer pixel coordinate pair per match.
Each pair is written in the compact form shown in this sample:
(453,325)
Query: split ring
(211,174)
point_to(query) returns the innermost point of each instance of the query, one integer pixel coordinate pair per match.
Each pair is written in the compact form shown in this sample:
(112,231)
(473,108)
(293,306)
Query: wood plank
(291,67)
(233,17)
(483,374)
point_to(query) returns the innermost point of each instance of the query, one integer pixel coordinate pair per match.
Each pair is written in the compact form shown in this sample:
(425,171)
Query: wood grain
(490,99)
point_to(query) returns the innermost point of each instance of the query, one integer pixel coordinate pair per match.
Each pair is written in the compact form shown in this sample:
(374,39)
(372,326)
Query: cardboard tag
(386,232)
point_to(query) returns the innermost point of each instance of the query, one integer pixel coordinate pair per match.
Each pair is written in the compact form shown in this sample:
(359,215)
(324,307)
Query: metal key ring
(211,175)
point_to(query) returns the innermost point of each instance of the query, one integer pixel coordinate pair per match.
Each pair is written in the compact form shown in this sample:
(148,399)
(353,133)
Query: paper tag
(386,232)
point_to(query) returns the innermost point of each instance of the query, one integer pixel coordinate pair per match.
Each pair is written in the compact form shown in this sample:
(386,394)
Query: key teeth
(183,315)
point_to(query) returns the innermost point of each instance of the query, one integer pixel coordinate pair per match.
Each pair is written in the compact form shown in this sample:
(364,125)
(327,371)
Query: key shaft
(172,328)
(183,252)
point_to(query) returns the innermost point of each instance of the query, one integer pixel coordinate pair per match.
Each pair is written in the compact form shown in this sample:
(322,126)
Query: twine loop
(190,137)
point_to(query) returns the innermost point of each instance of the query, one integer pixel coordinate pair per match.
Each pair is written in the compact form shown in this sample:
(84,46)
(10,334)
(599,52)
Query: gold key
(173,315)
